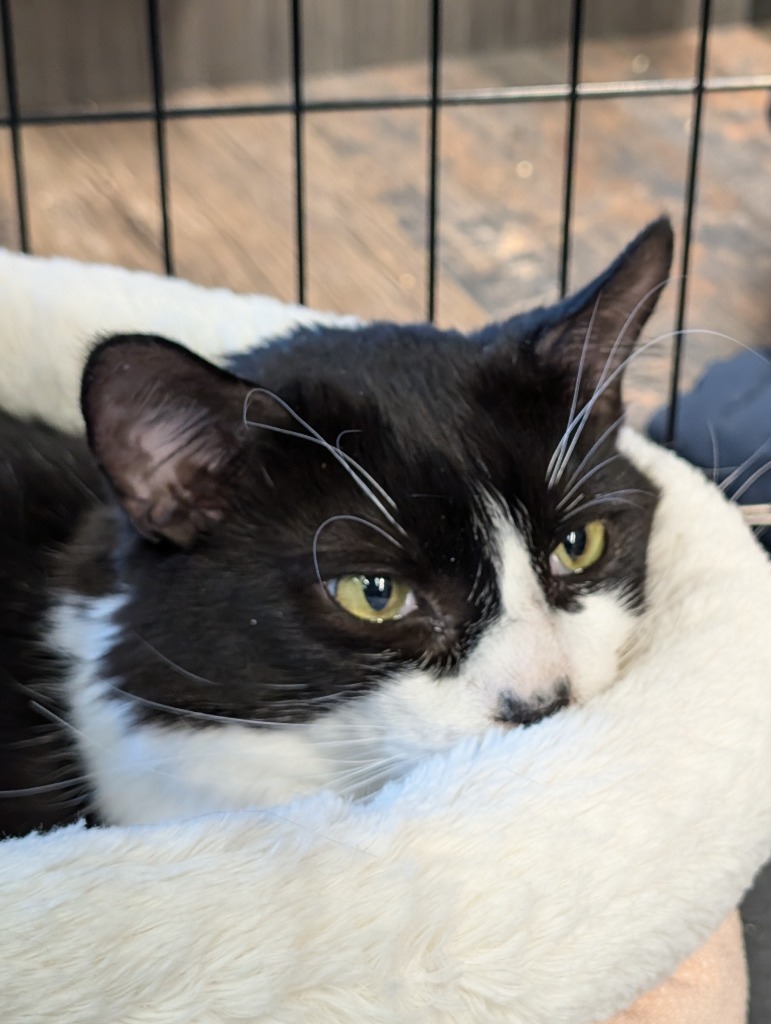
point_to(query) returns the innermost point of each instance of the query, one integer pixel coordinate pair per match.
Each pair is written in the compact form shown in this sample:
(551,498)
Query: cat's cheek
(597,636)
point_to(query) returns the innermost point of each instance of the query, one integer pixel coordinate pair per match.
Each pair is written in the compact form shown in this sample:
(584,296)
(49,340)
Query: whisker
(602,383)
(622,333)
(713,442)
(587,476)
(583,415)
(349,518)
(750,481)
(267,725)
(377,778)
(366,768)
(475,583)
(351,774)
(219,719)
(351,430)
(618,497)
(175,666)
(147,764)
(576,389)
(726,483)
(597,444)
(48,787)
(56,719)
(202,716)
(342,458)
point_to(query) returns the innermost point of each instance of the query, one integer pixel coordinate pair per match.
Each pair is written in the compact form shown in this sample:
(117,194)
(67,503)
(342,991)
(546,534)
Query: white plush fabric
(545,876)
(54,309)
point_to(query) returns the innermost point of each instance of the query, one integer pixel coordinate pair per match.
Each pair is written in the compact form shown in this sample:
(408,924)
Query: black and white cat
(355,548)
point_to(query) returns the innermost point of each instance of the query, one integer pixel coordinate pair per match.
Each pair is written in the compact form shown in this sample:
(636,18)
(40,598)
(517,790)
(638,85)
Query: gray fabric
(725,423)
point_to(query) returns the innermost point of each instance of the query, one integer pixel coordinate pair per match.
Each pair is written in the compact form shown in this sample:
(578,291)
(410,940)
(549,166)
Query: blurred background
(462,159)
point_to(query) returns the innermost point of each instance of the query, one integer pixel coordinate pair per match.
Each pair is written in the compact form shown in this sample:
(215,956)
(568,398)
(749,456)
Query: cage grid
(574,93)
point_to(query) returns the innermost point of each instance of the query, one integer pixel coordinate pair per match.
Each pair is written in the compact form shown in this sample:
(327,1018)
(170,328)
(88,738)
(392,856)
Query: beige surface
(709,988)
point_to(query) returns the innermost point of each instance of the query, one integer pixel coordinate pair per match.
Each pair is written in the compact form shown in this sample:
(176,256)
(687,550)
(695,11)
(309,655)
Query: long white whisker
(48,787)
(622,333)
(173,664)
(57,719)
(376,778)
(576,390)
(620,496)
(344,457)
(202,716)
(597,444)
(350,518)
(349,464)
(725,484)
(364,768)
(148,764)
(477,577)
(587,476)
(569,507)
(751,480)
(713,442)
(602,383)
(585,412)
(360,469)
(221,719)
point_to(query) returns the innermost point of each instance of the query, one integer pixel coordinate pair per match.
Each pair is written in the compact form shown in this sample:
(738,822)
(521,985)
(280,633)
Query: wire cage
(574,95)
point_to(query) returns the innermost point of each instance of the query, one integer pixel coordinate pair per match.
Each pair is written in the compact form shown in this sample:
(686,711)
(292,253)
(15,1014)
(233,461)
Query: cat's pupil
(377,591)
(575,543)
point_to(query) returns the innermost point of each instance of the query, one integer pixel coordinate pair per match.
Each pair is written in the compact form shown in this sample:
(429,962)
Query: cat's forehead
(371,360)
(418,381)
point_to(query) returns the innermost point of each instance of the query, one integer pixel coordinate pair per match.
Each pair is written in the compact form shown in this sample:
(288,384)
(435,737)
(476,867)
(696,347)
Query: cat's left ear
(167,428)
(599,325)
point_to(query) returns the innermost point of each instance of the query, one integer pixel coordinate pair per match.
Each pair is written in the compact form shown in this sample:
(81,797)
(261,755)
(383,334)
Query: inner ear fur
(167,428)
(600,325)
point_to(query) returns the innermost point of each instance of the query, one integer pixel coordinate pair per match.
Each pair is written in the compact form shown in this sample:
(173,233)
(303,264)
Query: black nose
(512,710)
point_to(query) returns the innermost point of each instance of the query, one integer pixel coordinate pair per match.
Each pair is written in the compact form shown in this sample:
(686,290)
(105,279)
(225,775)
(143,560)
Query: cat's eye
(373,598)
(579,549)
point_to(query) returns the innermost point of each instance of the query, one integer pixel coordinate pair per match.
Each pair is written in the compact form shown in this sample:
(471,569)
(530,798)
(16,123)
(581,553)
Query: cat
(348,550)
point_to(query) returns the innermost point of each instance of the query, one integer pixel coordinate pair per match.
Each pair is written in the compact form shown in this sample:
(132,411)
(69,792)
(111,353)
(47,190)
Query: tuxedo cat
(346,551)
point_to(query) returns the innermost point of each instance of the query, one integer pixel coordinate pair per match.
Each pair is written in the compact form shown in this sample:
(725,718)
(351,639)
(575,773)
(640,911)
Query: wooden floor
(93,194)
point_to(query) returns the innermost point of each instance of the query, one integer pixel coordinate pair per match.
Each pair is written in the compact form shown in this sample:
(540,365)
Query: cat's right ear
(598,326)
(168,430)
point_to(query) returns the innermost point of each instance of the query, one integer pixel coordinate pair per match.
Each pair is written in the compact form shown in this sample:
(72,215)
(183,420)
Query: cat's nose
(513,710)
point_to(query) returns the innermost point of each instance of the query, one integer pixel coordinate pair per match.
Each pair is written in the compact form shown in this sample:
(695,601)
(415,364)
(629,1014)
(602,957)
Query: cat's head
(378,539)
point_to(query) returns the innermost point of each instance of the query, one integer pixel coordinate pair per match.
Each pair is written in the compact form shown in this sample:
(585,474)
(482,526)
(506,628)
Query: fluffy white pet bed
(545,876)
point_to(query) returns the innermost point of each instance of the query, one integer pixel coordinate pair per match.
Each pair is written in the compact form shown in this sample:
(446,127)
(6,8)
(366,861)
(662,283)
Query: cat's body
(393,538)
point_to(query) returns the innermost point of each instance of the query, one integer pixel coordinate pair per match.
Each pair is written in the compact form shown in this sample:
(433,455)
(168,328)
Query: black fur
(48,482)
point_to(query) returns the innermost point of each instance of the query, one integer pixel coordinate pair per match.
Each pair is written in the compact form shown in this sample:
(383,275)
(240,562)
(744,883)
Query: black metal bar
(298,109)
(435,58)
(457,98)
(159,117)
(690,204)
(570,141)
(14,121)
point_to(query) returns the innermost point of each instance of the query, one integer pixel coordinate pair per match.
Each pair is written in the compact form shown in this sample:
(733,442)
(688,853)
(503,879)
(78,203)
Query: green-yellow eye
(579,549)
(373,598)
